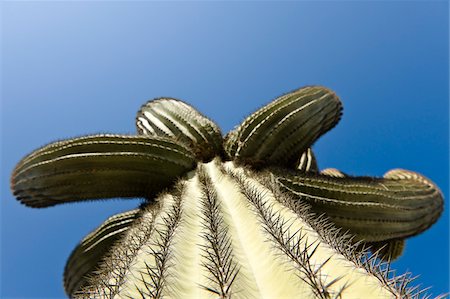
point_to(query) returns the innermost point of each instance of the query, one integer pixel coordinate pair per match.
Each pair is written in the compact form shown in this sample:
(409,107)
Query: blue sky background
(76,68)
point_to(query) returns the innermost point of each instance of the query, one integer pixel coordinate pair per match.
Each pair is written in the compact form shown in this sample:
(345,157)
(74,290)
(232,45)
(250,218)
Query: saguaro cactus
(247,216)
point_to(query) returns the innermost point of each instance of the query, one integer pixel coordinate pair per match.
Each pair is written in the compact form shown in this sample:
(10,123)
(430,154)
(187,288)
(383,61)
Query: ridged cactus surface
(247,216)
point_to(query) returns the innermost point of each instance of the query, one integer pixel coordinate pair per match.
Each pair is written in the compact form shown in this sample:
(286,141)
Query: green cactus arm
(401,204)
(387,250)
(87,256)
(279,132)
(99,166)
(308,162)
(173,118)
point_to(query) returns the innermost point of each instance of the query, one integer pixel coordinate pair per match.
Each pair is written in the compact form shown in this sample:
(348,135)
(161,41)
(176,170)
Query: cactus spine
(250,216)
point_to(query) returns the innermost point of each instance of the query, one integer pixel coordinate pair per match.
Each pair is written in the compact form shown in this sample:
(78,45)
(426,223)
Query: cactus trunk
(221,233)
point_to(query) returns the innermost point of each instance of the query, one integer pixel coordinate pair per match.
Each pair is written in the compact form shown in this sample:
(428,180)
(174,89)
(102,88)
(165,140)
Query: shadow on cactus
(245,216)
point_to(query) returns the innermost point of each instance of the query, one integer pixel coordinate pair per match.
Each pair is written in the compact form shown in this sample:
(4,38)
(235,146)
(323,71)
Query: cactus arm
(174,118)
(386,250)
(87,256)
(99,166)
(400,205)
(308,162)
(280,131)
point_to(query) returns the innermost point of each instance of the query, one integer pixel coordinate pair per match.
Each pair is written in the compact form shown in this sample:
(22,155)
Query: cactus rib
(218,249)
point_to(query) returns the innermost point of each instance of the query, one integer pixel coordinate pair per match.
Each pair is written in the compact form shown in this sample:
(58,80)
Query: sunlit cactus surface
(249,215)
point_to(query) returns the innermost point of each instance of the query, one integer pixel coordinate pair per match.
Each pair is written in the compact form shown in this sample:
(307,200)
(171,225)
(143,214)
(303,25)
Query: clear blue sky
(70,69)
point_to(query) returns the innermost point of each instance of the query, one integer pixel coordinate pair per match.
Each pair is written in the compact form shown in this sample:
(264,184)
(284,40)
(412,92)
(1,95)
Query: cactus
(245,216)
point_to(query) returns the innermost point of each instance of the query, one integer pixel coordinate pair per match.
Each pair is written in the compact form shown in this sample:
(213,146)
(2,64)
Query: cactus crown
(247,216)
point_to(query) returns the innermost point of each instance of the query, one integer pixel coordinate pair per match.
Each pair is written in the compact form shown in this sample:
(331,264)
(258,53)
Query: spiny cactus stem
(153,274)
(112,273)
(317,258)
(295,245)
(219,249)
(226,235)
(89,253)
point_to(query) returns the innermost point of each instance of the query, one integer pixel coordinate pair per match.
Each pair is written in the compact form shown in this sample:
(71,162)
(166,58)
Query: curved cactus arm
(401,204)
(280,131)
(87,256)
(173,118)
(99,166)
(386,250)
(308,162)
